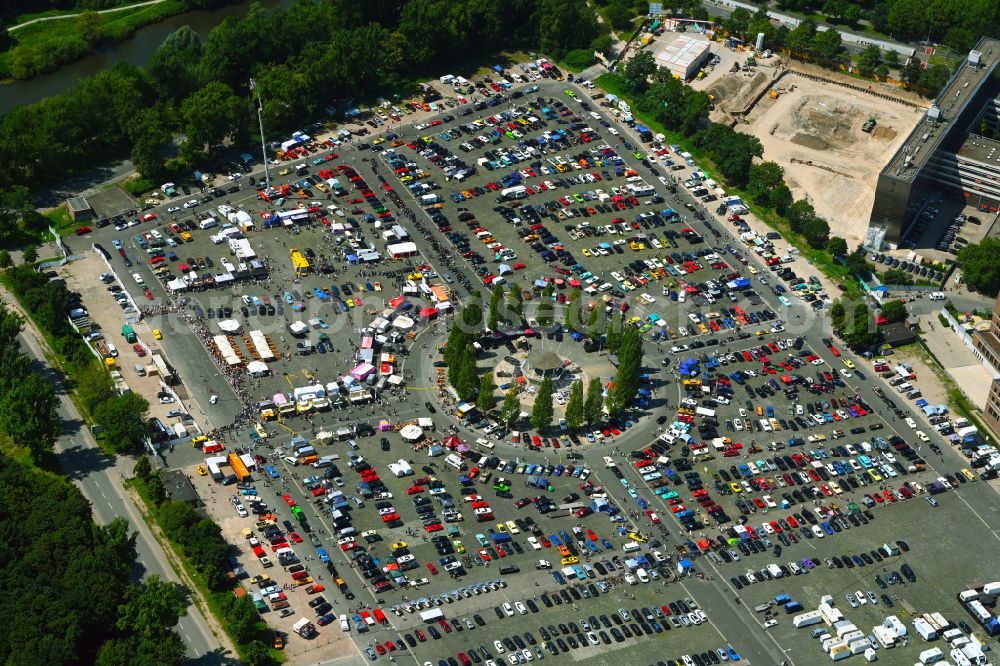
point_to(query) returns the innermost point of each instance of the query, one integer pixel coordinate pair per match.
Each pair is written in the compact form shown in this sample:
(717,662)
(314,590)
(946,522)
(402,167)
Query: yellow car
(157,335)
(378,141)
(459,546)
(570,560)
(848,362)
(202,471)
(399,545)
(737,488)
(284,172)
(753,271)
(586,252)
(350,302)
(635,536)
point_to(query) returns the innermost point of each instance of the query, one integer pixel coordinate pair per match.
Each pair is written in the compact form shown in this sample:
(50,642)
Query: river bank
(135,48)
(44,44)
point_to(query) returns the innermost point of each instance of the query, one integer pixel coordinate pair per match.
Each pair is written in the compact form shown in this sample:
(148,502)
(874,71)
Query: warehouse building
(948,153)
(684,56)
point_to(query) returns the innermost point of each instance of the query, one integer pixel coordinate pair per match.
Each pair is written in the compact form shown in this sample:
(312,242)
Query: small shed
(79,209)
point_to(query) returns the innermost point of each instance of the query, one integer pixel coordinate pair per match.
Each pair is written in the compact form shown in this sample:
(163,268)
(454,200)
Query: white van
(207,223)
(112,350)
(630,547)
(345,623)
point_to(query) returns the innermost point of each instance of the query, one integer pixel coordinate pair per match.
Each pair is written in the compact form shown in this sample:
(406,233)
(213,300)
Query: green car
(570,92)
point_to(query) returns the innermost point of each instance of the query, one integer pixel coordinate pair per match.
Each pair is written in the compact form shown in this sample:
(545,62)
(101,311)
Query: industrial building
(949,152)
(684,56)
(79,209)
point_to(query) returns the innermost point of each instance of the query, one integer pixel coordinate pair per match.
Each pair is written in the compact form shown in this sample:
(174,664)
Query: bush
(137,186)
(944,321)
(579,59)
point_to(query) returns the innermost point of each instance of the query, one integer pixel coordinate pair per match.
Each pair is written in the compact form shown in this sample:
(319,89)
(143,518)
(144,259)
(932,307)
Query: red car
(432,568)
(288,500)
(148,216)
(83,230)
(294,536)
(139,350)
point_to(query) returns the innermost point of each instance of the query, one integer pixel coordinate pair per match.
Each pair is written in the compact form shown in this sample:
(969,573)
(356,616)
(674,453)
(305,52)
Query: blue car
(271,471)
(733,655)
(323,557)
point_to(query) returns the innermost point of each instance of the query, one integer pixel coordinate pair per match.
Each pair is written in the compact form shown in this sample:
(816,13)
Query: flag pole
(260,123)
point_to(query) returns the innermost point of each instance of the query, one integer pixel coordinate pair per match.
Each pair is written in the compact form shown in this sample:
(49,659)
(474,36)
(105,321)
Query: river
(136,50)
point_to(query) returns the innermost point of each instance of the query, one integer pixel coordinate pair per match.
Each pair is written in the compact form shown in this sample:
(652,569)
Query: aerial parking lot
(372,515)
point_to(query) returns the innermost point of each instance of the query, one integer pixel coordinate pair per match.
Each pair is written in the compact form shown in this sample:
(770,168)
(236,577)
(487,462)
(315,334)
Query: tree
(257,653)
(764,179)
(894,310)
(800,39)
(157,491)
(738,22)
(496,299)
(732,151)
(211,115)
(837,246)
(124,421)
(861,332)
(604,44)
(563,25)
(613,337)
(510,410)
(856,265)
(486,399)
(594,324)
(143,468)
(468,377)
(571,317)
(618,14)
(592,406)
(30,254)
(545,309)
(838,315)
(29,414)
(151,608)
(115,543)
(88,27)
(980,268)
(910,74)
(798,213)
(626,384)
(869,60)
(149,132)
(541,411)
(816,232)
(241,617)
(5,259)
(515,301)
(639,69)
(574,406)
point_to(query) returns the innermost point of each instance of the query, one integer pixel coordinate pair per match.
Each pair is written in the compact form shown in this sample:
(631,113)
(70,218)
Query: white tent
(257,368)
(402,322)
(229,326)
(411,433)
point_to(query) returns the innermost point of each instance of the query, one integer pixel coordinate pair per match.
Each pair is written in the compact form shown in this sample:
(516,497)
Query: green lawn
(61,220)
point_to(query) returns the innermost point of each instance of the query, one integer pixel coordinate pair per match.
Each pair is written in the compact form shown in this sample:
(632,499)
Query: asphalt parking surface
(738,624)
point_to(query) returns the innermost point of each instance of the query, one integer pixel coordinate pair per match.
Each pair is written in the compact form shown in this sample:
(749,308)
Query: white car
(499,646)
(191,204)
(174,209)
(521,608)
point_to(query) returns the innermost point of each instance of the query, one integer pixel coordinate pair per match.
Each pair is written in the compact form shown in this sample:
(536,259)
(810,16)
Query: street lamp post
(260,123)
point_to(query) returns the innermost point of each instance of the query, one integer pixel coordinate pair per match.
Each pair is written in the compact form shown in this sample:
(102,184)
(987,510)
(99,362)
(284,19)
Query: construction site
(832,134)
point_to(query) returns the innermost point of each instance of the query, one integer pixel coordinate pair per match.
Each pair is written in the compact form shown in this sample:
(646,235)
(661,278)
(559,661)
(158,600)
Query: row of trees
(957,24)
(854,322)
(122,416)
(200,89)
(70,597)
(27,400)
(200,537)
(826,47)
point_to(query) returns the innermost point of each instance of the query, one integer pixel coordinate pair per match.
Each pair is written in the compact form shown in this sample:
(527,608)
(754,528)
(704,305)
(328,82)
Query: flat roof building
(684,56)
(79,209)
(945,153)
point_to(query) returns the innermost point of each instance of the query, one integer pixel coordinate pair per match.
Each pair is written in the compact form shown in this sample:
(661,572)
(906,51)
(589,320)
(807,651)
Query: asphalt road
(99,478)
